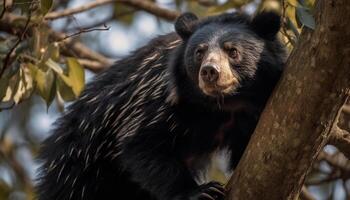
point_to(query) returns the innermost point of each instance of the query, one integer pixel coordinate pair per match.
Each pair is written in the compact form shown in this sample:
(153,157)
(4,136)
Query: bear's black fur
(144,128)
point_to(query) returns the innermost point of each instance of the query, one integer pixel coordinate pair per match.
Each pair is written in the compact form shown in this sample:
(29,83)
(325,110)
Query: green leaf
(59,71)
(4,82)
(25,86)
(40,41)
(4,49)
(304,17)
(52,52)
(65,90)
(292,27)
(45,83)
(12,87)
(24,45)
(45,6)
(76,75)
(12,69)
(302,2)
(5,190)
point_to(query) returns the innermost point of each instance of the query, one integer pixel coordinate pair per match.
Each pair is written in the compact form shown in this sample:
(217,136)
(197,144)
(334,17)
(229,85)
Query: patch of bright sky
(41,121)
(5,175)
(24,156)
(117,41)
(323,192)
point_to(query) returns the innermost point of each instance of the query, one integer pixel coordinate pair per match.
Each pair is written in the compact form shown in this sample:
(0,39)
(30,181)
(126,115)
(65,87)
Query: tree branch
(346,109)
(92,65)
(81,50)
(6,61)
(4,9)
(81,31)
(336,160)
(305,194)
(102,22)
(147,6)
(73,46)
(72,11)
(299,116)
(152,8)
(340,138)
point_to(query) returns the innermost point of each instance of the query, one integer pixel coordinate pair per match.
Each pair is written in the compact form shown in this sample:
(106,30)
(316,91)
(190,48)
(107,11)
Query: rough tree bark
(298,119)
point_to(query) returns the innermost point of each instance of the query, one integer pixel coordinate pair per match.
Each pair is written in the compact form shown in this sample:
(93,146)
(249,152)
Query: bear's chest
(227,127)
(208,149)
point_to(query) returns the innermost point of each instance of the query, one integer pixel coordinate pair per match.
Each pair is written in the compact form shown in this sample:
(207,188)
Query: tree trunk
(298,118)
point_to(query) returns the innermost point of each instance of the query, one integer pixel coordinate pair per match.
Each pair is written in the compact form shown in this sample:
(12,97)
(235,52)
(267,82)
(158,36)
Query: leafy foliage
(37,65)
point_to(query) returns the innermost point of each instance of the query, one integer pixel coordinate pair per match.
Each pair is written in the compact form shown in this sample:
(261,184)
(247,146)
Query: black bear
(147,127)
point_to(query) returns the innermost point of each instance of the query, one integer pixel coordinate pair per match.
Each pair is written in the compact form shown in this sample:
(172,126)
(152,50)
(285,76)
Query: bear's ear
(266,24)
(185,25)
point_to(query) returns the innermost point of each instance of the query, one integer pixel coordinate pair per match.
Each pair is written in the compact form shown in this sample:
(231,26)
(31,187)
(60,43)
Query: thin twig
(305,194)
(147,6)
(8,107)
(8,55)
(3,10)
(72,11)
(336,160)
(340,138)
(75,46)
(285,20)
(152,8)
(92,65)
(104,21)
(81,50)
(84,31)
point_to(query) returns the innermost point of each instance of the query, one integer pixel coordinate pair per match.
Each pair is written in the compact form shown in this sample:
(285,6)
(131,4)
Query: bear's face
(221,57)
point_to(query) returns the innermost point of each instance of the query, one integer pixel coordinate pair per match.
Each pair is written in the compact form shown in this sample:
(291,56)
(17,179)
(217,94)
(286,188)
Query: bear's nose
(209,74)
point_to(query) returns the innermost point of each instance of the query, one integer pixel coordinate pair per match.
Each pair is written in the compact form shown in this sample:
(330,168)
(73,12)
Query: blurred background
(50,49)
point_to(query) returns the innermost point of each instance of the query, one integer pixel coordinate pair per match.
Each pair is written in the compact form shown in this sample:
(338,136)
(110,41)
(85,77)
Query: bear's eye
(200,51)
(233,53)
(199,54)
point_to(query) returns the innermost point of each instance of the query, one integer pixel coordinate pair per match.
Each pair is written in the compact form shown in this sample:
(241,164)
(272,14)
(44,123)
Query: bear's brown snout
(210,74)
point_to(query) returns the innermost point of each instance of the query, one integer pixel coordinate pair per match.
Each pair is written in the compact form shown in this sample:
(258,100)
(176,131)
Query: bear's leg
(154,166)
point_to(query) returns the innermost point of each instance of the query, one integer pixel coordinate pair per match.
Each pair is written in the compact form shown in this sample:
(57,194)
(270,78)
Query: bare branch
(92,65)
(346,109)
(104,21)
(341,139)
(72,11)
(80,49)
(290,134)
(305,194)
(4,9)
(152,8)
(139,4)
(84,31)
(73,47)
(336,160)
(7,152)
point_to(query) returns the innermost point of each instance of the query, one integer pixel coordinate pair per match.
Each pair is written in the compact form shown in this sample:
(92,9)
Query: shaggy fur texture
(144,130)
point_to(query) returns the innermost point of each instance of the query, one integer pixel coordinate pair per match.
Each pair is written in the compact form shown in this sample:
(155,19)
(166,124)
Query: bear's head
(229,55)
